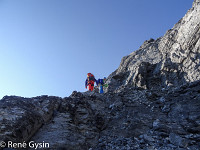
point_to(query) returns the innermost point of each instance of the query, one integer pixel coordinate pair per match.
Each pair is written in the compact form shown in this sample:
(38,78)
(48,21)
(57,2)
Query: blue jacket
(100,81)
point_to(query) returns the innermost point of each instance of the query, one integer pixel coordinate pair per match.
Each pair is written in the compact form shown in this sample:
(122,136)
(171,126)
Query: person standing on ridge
(101,84)
(90,81)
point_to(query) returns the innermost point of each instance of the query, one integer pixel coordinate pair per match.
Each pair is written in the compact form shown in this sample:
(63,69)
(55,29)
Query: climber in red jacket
(90,81)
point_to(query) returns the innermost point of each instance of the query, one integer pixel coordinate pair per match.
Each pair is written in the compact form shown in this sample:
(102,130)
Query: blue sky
(48,46)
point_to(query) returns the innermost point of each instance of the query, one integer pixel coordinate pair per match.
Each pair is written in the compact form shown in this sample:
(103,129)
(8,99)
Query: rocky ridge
(152,102)
(169,61)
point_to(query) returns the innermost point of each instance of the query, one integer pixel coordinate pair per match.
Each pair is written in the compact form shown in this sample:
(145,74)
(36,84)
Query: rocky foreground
(152,103)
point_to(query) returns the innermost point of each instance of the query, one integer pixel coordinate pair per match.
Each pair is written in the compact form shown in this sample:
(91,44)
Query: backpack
(91,77)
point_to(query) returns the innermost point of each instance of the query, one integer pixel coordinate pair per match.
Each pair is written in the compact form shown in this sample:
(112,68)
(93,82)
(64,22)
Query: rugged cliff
(152,102)
(167,62)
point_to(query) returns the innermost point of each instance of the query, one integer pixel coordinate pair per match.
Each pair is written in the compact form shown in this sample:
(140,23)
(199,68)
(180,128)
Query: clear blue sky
(48,46)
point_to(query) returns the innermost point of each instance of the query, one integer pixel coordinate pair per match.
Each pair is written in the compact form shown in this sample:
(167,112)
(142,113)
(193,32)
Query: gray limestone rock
(167,62)
(21,117)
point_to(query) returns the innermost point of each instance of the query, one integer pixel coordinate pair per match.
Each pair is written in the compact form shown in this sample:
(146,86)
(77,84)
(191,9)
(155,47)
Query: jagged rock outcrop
(22,117)
(77,124)
(130,119)
(169,61)
(152,102)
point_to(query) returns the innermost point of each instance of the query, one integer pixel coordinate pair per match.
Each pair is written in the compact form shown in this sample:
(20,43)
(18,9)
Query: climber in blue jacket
(101,83)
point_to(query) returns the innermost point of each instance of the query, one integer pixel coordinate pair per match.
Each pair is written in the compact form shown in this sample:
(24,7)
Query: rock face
(169,61)
(22,117)
(152,102)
